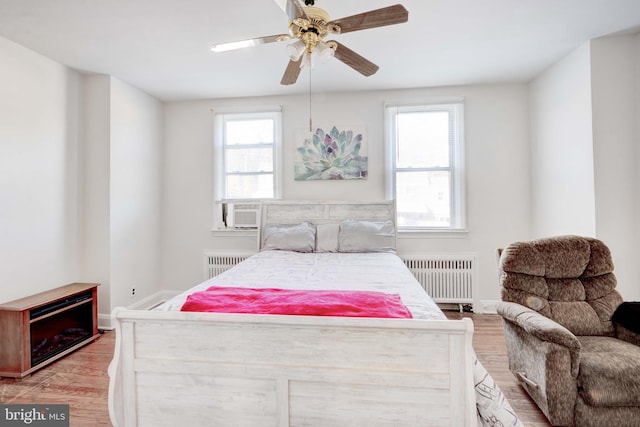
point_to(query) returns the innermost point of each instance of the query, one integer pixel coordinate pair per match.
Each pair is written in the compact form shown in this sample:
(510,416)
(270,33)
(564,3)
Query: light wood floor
(81,380)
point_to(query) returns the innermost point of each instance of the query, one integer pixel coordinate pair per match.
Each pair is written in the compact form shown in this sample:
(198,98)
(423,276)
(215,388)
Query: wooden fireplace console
(41,328)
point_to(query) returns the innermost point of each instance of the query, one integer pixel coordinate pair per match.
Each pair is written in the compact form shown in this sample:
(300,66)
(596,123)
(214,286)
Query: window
(247,159)
(425,160)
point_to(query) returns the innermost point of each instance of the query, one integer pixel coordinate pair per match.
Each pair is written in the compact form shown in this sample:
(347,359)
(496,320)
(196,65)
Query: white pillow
(367,236)
(327,237)
(297,237)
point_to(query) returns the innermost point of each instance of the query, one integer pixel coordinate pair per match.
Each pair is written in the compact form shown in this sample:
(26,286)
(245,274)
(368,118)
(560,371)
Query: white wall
(135,193)
(584,145)
(96,244)
(80,181)
(122,191)
(562,185)
(615,75)
(634,295)
(497,179)
(39,178)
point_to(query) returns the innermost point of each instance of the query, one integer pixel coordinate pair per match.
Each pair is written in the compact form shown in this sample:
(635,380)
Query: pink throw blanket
(297,302)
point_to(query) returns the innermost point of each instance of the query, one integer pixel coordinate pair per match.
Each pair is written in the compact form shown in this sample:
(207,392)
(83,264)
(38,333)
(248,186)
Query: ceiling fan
(309,25)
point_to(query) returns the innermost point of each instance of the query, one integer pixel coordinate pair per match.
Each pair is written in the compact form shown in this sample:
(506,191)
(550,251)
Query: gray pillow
(367,236)
(327,237)
(285,237)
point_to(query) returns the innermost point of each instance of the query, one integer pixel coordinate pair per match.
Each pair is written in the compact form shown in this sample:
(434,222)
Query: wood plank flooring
(80,379)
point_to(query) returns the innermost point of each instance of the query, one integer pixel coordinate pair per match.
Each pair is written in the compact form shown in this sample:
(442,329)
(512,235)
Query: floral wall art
(333,154)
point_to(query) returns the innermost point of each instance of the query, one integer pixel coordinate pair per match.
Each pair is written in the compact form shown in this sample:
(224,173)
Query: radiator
(447,278)
(216,263)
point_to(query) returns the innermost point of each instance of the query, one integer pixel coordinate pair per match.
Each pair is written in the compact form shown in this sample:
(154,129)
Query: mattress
(382,272)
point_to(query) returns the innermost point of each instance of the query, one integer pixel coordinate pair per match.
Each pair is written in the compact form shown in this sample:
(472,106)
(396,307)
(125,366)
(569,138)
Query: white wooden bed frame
(214,369)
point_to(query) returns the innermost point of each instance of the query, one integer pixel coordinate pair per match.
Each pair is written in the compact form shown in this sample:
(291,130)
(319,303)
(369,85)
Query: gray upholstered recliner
(559,295)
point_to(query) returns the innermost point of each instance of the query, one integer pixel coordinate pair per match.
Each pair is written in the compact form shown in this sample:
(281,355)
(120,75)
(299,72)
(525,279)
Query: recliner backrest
(568,279)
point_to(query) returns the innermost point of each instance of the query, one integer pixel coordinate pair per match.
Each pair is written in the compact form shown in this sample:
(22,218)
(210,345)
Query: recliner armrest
(545,357)
(538,325)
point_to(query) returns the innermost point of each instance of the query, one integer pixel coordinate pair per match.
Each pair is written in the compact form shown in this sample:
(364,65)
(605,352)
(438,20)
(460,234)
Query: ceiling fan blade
(354,60)
(391,15)
(291,73)
(292,8)
(223,47)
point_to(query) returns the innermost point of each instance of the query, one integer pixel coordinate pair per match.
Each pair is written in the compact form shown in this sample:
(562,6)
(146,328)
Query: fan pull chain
(310,115)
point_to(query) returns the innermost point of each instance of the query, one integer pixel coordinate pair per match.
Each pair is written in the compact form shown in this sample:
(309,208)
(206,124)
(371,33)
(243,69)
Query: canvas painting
(330,154)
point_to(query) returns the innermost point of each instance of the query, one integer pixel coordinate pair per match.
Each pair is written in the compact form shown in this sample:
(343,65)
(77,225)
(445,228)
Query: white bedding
(383,272)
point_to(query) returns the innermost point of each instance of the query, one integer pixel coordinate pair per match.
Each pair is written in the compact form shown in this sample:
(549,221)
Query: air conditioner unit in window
(243,215)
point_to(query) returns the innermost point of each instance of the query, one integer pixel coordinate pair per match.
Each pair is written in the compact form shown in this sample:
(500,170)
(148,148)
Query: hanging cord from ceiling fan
(310,115)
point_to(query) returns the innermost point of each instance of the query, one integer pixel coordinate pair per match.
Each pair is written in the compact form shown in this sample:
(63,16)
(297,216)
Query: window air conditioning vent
(243,215)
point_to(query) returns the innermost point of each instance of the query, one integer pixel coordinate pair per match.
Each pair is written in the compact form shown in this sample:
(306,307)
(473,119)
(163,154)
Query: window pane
(249,186)
(423,139)
(249,160)
(423,199)
(257,131)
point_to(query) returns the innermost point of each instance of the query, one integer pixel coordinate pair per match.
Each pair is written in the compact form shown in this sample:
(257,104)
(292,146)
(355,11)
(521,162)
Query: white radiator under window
(216,263)
(447,278)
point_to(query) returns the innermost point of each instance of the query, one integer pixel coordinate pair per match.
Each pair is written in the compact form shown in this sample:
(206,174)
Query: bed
(173,367)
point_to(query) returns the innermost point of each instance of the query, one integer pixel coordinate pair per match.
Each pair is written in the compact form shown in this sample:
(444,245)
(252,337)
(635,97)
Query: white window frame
(455,108)
(219,143)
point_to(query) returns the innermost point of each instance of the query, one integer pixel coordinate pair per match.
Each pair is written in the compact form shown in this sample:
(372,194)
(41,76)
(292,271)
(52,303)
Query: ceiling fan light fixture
(307,60)
(324,51)
(296,49)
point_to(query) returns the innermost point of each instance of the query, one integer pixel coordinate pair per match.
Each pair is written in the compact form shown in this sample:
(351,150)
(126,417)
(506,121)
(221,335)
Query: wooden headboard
(324,212)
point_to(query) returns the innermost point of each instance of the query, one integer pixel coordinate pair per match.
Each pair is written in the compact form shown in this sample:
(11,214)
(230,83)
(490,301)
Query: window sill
(250,232)
(433,234)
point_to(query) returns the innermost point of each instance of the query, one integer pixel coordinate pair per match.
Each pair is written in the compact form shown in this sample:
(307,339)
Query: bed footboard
(208,369)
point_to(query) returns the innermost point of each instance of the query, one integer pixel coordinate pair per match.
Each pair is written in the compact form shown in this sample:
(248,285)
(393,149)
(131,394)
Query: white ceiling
(162,46)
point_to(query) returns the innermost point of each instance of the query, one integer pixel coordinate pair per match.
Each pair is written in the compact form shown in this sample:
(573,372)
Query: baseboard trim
(104,322)
(489,306)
